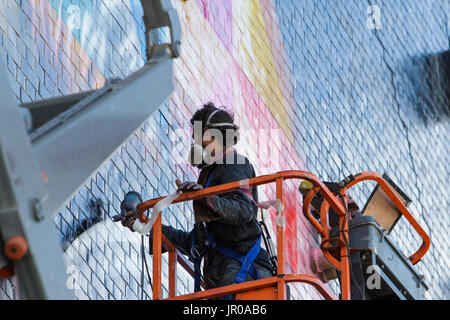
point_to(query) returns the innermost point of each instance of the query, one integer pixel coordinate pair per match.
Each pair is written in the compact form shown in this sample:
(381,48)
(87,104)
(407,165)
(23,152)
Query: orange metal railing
(275,287)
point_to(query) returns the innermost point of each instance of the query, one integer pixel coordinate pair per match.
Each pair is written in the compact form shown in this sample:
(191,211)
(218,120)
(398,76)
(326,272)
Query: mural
(246,81)
(313,85)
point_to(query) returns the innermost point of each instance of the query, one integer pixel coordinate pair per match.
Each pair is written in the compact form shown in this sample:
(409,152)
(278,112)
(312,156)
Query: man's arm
(234,208)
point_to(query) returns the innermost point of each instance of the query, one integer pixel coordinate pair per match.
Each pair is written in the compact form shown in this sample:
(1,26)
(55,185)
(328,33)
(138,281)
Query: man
(226,231)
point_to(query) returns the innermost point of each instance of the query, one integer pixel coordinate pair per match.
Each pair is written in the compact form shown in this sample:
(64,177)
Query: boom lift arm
(71,137)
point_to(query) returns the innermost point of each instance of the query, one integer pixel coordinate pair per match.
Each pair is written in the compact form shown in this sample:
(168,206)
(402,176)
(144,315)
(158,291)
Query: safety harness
(197,253)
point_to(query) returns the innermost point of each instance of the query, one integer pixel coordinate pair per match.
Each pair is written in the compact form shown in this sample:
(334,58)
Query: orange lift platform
(400,277)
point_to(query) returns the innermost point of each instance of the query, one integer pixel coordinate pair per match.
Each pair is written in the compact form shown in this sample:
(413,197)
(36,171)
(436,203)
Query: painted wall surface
(330,87)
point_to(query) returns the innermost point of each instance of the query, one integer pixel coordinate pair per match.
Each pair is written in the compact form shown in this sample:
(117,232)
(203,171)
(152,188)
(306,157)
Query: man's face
(198,135)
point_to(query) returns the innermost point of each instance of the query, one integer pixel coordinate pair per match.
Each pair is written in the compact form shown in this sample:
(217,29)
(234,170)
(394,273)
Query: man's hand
(209,202)
(187,186)
(128,220)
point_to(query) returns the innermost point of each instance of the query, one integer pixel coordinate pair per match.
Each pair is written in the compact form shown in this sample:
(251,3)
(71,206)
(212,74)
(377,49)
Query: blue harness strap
(209,179)
(196,258)
(197,262)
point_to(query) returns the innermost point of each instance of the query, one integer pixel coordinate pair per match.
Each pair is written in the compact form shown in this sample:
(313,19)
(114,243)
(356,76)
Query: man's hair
(222,116)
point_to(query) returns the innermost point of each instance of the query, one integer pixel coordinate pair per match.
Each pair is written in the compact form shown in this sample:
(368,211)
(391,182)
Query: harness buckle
(197,252)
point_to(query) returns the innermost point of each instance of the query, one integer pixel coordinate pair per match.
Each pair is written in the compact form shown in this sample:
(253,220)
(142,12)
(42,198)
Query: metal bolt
(37,210)
(382,266)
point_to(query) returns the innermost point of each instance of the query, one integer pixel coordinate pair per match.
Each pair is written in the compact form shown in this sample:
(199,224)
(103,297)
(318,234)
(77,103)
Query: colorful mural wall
(314,85)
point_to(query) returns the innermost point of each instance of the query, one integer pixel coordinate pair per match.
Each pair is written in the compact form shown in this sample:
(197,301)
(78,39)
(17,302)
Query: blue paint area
(94,25)
(77,218)
(369,100)
(62,8)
